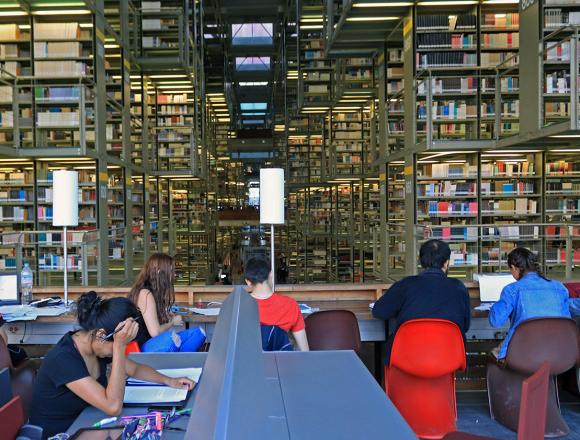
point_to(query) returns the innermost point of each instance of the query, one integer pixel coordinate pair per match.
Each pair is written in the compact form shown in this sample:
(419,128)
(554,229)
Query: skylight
(252,63)
(253,83)
(253,106)
(248,34)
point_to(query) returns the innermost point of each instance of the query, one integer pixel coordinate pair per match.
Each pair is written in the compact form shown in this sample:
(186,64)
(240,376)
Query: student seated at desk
(274,309)
(154,295)
(73,373)
(431,294)
(531,296)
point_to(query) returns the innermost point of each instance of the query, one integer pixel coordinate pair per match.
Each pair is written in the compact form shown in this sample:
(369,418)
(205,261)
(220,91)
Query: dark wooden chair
(535,341)
(22,377)
(333,330)
(12,416)
(532,416)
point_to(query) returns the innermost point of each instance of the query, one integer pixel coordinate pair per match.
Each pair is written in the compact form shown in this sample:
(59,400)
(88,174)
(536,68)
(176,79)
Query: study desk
(165,360)
(331,395)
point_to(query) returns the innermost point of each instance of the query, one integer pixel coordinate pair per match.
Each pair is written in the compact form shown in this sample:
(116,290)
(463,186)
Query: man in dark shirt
(431,294)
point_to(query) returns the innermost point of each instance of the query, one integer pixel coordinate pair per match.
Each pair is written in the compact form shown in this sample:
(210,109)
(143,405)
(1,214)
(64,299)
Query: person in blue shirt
(531,296)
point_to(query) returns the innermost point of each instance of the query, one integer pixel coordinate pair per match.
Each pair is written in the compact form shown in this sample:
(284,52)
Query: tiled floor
(473,412)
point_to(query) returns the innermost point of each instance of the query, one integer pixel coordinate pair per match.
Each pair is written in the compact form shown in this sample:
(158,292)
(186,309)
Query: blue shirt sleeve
(501,310)
(388,305)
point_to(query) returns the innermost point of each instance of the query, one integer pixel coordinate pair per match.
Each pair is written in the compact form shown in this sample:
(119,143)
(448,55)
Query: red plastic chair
(420,379)
(132,347)
(11,419)
(532,416)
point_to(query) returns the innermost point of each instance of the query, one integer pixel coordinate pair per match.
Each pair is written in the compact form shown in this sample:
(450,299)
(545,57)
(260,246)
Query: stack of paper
(143,392)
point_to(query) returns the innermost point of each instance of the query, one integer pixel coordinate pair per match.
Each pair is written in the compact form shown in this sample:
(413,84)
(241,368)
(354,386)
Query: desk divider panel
(233,400)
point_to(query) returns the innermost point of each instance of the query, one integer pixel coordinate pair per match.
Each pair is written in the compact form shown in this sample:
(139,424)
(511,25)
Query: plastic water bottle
(26,282)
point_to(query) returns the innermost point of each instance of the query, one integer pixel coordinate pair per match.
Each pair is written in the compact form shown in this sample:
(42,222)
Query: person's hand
(177,320)
(180,382)
(126,332)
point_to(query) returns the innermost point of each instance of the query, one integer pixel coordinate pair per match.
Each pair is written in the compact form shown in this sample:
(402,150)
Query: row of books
(436,208)
(57,93)
(172,136)
(492,59)
(394,55)
(8,51)
(56,237)
(60,68)
(507,188)
(16,213)
(446,22)
(172,99)
(557,82)
(506,168)
(60,31)
(59,49)
(44,212)
(178,120)
(562,205)
(557,109)
(447,59)
(6,119)
(508,108)
(58,118)
(448,110)
(9,32)
(15,195)
(453,232)
(447,170)
(563,167)
(359,61)
(446,41)
(559,52)
(459,259)
(558,17)
(313,54)
(449,85)
(516,206)
(317,76)
(500,21)
(507,84)
(317,88)
(176,151)
(56,262)
(554,187)
(511,231)
(447,189)
(509,40)
(173,109)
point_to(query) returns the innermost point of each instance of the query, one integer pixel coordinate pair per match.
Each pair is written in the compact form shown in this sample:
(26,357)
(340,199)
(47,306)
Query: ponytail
(95,313)
(525,261)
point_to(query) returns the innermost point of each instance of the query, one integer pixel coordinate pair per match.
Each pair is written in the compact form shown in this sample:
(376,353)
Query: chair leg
(556,426)
(504,388)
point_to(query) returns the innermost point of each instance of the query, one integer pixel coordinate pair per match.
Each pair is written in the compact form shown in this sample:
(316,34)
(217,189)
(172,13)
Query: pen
(113,333)
(104,422)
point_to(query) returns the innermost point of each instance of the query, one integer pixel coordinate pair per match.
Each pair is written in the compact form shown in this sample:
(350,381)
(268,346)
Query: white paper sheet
(152,395)
(191,373)
(206,312)
(490,286)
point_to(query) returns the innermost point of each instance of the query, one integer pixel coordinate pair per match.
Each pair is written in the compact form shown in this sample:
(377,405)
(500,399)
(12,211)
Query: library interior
(289,219)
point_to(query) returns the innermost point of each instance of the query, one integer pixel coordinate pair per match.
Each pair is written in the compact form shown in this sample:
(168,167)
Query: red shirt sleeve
(299,320)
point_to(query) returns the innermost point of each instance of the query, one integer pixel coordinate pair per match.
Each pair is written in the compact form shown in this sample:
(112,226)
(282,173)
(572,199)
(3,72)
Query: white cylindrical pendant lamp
(272,196)
(65,198)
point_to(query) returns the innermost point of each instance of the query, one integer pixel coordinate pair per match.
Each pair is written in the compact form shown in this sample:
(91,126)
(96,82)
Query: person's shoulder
(284,299)
(63,351)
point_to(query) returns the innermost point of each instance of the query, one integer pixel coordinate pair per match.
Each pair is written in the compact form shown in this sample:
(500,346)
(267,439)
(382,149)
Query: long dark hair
(525,261)
(157,276)
(95,313)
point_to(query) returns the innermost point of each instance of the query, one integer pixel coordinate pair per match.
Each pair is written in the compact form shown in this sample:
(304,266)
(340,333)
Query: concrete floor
(473,413)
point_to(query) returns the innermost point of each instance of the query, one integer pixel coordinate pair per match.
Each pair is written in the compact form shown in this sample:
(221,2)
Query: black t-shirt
(54,406)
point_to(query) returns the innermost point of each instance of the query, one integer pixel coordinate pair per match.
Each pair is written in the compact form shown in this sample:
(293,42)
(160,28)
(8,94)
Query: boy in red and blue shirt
(274,309)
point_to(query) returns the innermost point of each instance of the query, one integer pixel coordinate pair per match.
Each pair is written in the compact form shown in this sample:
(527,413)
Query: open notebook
(140,392)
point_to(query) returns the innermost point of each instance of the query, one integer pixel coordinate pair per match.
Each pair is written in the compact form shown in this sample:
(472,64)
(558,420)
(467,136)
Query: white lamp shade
(272,196)
(65,198)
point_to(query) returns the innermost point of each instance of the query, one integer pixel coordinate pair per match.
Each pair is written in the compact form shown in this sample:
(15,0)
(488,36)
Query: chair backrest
(333,330)
(11,418)
(5,361)
(544,339)
(532,420)
(132,347)
(5,386)
(275,339)
(428,348)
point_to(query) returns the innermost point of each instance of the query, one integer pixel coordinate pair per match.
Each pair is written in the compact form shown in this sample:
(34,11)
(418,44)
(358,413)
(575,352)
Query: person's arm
(388,305)
(301,340)
(144,372)
(3,334)
(148,308)
(501,310)
(110,399)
